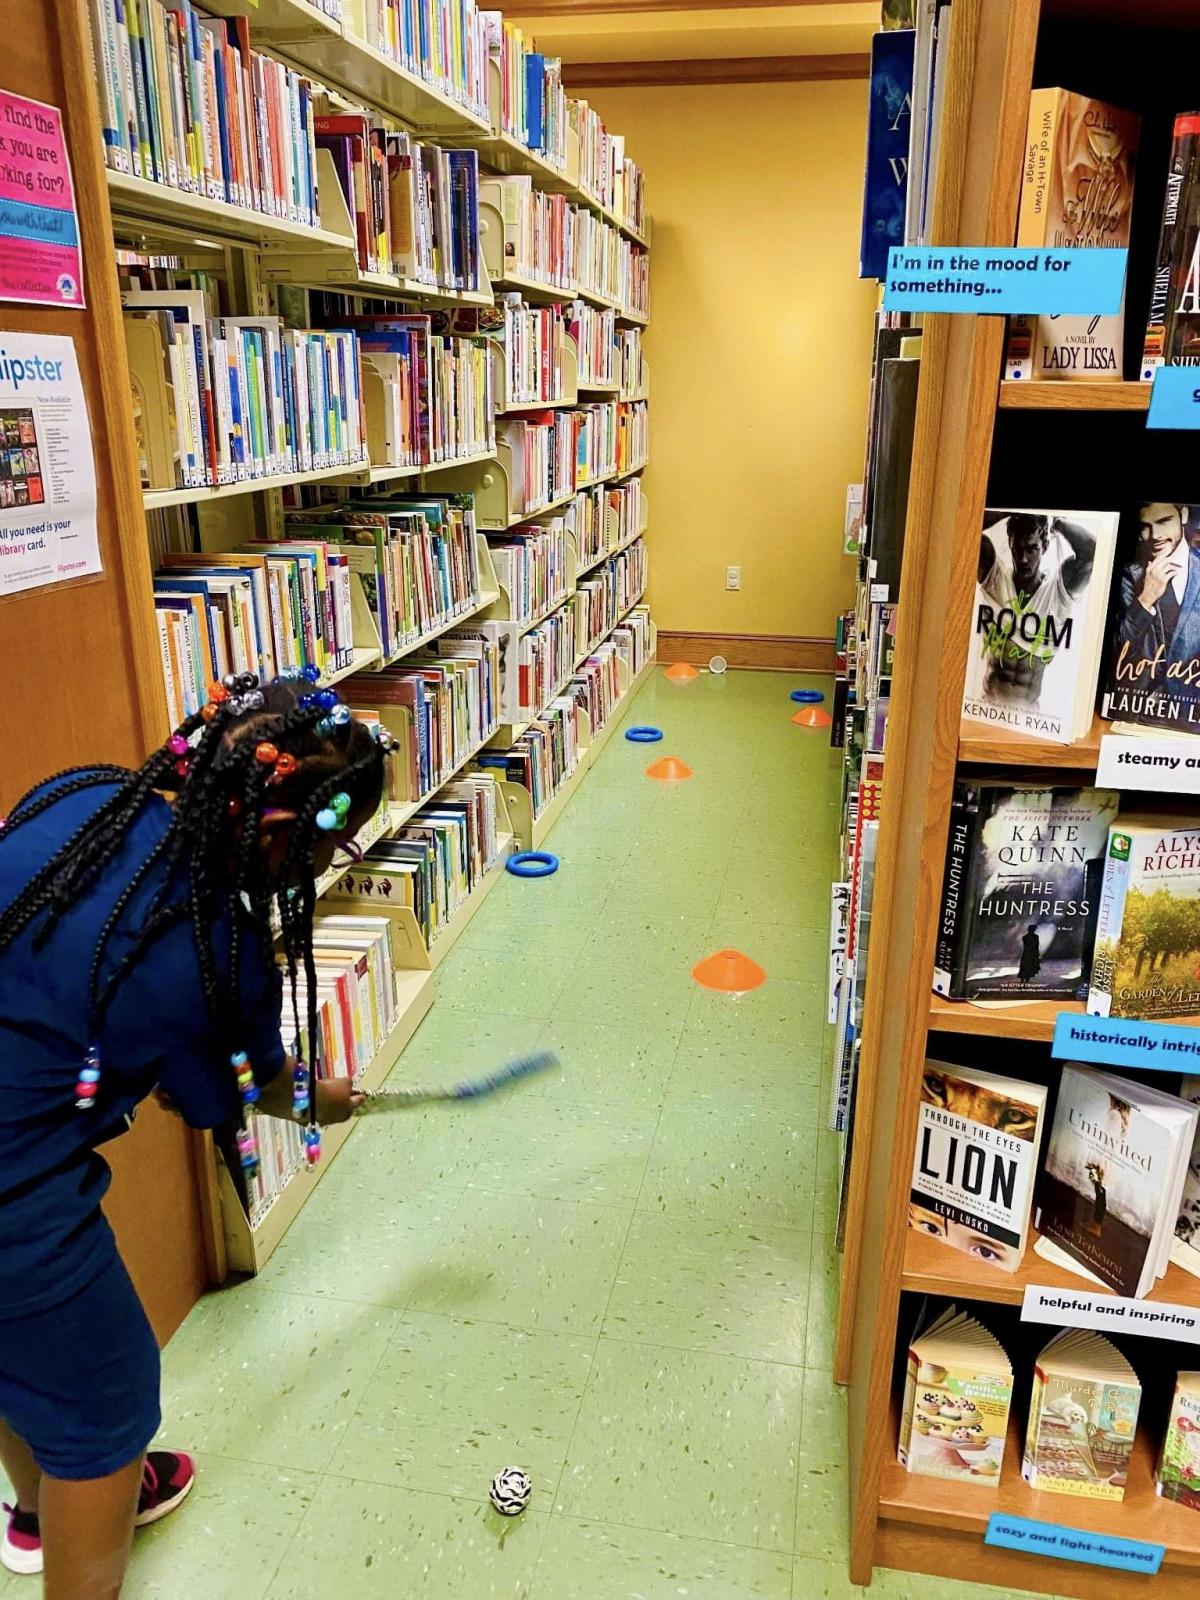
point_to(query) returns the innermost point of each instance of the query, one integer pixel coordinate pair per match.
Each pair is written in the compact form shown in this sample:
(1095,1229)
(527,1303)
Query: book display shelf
(313,275)
(978,442)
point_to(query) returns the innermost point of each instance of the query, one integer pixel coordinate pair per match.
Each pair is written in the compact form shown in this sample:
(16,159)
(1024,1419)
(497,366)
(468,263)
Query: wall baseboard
(771,652)
(690,72)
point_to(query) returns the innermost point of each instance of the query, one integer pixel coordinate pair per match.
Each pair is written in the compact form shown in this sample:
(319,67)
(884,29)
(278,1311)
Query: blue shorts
(79,1382)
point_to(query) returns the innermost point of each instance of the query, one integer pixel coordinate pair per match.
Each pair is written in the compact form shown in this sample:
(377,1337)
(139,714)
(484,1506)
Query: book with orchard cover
(1147,960)
(1041,600)
(1108,1197)
(974,1163)
(1178,1474)
(1020,891)
(1076,192)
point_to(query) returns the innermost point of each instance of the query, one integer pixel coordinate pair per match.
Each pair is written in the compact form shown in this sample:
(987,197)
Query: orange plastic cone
(669,770)
(812,717)
(729,971)
(681,672)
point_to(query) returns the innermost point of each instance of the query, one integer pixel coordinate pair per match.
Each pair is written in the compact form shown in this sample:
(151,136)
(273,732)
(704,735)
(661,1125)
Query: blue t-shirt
(156,1032)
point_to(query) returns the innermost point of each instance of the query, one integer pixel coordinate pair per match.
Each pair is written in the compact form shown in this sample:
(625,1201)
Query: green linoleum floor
(619,1276)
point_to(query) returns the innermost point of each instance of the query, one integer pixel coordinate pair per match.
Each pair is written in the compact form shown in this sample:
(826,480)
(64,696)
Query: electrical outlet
(733,577)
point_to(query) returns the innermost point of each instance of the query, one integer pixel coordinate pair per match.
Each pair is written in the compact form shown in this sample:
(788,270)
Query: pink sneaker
(167,1479)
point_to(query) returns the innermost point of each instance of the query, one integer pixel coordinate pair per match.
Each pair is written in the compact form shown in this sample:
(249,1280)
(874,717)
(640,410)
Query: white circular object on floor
(510,1491)
(718,665)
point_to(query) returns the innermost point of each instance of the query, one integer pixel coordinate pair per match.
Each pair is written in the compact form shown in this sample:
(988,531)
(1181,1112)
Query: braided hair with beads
(251,756)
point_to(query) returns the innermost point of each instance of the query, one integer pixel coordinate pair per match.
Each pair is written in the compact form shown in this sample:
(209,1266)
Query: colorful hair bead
(266,754)
(218,692)
(285,765)
(247,681)
(325,727)
(300,1100)
(326,698)
(234,807)
(289,675)
(341,804)
(245,1077)
(177,745)
(340,716)
(328,820)
(209,711)
(310,673)
(230,681)
(312,1145)
(87,1085)
(247,1149)
(183,766)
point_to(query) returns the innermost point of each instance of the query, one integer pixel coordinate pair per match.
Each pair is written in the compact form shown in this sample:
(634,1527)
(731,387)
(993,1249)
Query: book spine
(954,920)
(102,30)
(1183,146)
(1108,932)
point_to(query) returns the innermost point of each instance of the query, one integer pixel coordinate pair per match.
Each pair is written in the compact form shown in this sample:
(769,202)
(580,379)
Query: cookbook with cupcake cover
(956,1398)
(1082,1417)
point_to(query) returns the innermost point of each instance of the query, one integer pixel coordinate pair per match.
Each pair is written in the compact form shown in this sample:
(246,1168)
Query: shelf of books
(1015,937)
(369,257)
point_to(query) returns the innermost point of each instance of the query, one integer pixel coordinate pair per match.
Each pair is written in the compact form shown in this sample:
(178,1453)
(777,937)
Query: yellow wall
(759,346)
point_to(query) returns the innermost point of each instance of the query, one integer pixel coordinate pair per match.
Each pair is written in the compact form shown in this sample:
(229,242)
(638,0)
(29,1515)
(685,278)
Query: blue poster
(889,118)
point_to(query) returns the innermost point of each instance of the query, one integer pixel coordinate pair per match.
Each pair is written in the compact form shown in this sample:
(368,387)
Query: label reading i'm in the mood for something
(1009,279)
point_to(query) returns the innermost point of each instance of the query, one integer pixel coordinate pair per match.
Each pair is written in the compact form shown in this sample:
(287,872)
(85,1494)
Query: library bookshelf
(268,266)
(972,448)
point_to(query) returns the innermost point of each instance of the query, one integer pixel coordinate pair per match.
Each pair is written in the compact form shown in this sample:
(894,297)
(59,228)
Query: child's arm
(336,1098)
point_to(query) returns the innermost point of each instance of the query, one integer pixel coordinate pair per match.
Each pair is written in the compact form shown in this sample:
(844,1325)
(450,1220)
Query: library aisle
(619,1276)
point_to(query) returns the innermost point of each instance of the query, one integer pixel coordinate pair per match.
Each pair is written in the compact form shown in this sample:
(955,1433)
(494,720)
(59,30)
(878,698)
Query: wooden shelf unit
(896,1520)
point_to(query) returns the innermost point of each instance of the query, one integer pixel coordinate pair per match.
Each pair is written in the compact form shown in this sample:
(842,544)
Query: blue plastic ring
(807,697)
(532,864)
(643,735)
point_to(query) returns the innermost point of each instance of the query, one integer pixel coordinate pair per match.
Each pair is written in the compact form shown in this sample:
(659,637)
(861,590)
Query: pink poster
(40,260)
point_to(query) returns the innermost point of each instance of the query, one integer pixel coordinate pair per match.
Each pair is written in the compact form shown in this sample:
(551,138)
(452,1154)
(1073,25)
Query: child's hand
(337,1101)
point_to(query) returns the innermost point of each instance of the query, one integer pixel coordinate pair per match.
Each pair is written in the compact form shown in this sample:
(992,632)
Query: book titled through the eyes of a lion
(1108,1199)
(974,1163)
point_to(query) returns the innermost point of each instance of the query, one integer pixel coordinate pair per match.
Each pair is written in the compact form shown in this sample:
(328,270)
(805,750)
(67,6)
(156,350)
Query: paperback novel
(1108,1199)
(974,1164)
(1077,192)
(1147,960)
(958,1388)
(1082,1417)
(1020,891)
(1041,599)
(1173,323)
(1178,1474)
(889,120)
(1153,676)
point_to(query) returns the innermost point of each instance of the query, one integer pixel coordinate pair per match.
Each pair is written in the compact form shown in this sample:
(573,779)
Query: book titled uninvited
(1096,1308)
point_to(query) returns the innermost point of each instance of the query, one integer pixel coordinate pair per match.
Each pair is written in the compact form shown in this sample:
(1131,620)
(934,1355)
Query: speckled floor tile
(687,1442)
(760,1071)
(737,1291)
(528,1262)
(793,949)
(270,1377)
(437,1147)
(229,1538)
(505,981)
(452,1402)
(779,1011)
(339,1254)
(823,1289)
(443,1051)
(631,992)
(381,1542)
(621,936)
(603,1064)
(569,1151)
(731,1163)
(585,1560)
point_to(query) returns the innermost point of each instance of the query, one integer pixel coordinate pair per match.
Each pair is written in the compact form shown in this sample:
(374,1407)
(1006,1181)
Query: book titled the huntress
(1020,891)
(1147,961)
(1108,1198)
(1076,192)
(974,1164)
(1041,598)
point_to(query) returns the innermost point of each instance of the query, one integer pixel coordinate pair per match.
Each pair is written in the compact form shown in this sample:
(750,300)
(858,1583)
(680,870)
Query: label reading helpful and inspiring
(1111,1313)
(1072,1544)
(1119,1042)
(1004,279)
(1175,398)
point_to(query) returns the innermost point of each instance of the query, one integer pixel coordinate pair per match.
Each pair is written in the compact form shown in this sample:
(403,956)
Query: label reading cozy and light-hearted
(1175,398)
(1117,1042)
(1012,280)
(1072,1544)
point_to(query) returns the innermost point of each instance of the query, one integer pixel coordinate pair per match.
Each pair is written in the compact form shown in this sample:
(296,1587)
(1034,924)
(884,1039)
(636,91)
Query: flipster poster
(47,470)
(40,258)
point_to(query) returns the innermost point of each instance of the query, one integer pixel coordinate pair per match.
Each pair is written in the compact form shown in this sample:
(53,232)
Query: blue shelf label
(1175,398)
(1113,1042)
(1072,1544)
(1004,278)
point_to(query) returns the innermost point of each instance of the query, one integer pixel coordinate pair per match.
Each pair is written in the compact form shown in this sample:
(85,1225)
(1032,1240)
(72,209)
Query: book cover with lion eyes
(974,1163)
